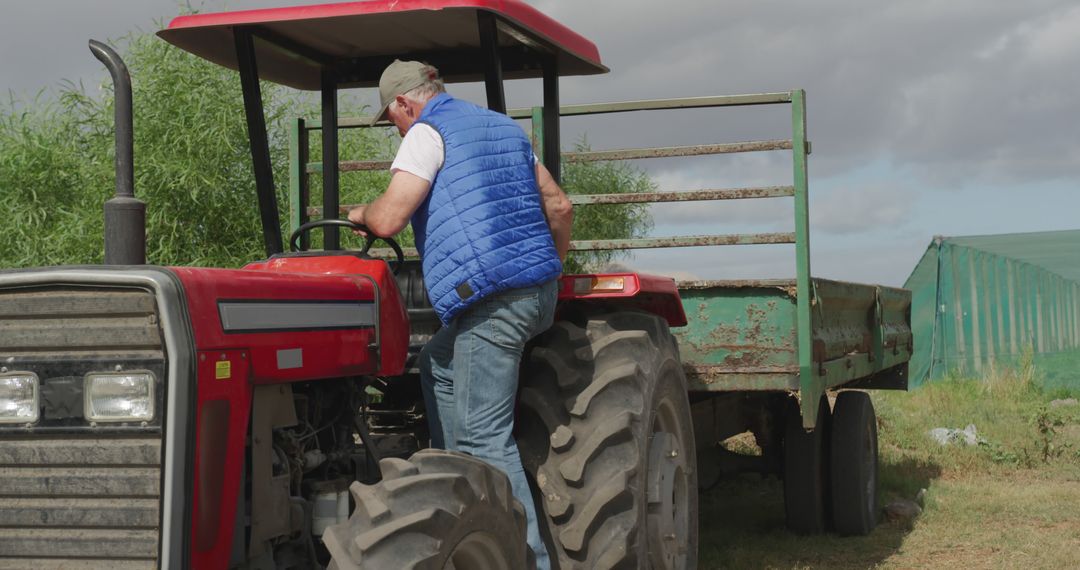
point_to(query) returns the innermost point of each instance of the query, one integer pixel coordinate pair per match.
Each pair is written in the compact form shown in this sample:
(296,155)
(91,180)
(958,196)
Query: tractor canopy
(329,47)
(295,45)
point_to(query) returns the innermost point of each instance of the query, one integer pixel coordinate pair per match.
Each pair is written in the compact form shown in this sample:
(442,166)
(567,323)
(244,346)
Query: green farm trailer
(787,360)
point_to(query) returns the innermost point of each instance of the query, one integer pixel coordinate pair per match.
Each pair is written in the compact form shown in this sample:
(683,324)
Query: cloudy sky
(927,117)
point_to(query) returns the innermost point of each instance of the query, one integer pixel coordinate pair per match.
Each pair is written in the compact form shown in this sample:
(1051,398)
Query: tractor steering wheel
(294,240)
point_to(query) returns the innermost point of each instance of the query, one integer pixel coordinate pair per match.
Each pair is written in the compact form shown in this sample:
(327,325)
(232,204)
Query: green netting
(983,301)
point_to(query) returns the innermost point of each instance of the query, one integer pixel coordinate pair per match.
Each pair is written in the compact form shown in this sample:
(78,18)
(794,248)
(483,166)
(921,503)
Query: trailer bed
(743,335)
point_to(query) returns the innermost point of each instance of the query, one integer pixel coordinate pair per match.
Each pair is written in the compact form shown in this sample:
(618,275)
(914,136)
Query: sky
(926,117)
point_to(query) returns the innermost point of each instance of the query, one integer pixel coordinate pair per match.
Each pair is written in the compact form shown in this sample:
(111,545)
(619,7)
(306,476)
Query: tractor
(271,416)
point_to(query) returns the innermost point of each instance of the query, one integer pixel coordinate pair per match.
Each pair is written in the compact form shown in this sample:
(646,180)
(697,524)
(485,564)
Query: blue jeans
(469,375)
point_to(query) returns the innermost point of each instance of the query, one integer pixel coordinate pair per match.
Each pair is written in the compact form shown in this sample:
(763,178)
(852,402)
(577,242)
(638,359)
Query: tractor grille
(74,494)
(80,498)
(91,323)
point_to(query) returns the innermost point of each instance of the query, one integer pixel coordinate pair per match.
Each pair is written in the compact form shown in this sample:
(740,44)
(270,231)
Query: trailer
(270,416)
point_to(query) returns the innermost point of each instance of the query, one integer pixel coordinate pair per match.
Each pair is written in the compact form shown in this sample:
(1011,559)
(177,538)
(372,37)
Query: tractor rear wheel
(604,428)
(440,510)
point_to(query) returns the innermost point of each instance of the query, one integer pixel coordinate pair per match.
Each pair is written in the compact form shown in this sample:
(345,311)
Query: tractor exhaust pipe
(125,215)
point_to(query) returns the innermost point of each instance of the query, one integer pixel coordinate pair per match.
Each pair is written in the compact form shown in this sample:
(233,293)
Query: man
(492,228)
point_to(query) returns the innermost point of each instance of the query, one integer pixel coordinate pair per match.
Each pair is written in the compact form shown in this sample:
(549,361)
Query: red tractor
(271,417)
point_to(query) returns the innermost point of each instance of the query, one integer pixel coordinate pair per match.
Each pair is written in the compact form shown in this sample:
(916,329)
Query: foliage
(608,221)
(47,171)
(1008,406)
(1049,423)
(193,162)
(192,165)
(190,141)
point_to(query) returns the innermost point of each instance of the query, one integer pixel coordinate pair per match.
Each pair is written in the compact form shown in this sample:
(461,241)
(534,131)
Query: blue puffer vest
(481,229)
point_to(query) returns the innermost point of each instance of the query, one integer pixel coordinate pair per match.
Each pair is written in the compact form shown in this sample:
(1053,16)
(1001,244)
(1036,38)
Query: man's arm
(390,212)
(557,209)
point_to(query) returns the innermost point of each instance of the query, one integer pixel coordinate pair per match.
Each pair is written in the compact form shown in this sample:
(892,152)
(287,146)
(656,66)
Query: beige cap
(399,78)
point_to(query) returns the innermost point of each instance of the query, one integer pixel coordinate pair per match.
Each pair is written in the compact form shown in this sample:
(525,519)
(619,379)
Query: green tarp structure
(982,301)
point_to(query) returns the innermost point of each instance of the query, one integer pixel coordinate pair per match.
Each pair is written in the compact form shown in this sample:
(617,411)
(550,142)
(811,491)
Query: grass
(1010,502)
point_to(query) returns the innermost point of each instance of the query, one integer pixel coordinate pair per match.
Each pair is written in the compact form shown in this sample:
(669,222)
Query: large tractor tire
(854,464)
(439,510)
(806,471)
(605,430)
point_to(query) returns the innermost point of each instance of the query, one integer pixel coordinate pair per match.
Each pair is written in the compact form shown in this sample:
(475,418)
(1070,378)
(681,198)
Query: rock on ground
(902,510)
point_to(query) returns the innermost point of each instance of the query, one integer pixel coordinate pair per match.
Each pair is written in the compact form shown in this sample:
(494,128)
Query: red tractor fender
(651,293)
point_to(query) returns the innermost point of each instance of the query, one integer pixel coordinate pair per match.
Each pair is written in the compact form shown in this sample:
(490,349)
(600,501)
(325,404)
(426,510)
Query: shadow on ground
(742,524)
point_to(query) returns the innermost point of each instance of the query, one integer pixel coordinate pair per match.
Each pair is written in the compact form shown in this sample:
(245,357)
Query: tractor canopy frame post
(260,145)
(493,73)
(551,145)
(331,194)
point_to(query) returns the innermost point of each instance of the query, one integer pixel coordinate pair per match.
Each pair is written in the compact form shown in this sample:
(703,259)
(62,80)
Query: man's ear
(404,104)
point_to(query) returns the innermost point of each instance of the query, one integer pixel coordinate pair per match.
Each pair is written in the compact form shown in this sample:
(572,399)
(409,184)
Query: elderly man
(492,228)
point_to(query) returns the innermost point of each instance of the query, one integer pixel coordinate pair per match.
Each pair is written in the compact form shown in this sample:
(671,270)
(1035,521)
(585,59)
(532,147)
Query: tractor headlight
(119,396)
(19,398)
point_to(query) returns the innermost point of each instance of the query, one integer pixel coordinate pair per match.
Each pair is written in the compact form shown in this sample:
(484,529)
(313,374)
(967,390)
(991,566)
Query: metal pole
(493,77)
(811,385)
(552,145)
(260,146)
(125,215)
(298,179)
(331,238)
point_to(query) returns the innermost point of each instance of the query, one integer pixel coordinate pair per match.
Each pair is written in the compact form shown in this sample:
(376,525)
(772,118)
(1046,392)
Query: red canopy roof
(361,38)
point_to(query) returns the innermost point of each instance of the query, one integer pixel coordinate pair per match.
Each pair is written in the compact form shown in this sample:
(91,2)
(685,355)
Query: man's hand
(356,216)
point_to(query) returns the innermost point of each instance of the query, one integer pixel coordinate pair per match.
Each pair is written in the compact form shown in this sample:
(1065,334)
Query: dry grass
(1012,502)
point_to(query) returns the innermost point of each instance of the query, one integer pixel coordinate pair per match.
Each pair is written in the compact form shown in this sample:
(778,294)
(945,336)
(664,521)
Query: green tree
(192,165)
(607,221)
(46,168)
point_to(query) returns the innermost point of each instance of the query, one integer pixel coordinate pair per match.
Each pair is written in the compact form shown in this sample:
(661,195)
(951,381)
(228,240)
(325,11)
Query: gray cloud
(886,263)
(739,171)
(848,210)
(957,91)
(966,90)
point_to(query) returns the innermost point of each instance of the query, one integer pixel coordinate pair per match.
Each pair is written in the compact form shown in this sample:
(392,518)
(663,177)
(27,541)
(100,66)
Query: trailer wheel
(604,428)
(806,471)
(438,510)
(854,464)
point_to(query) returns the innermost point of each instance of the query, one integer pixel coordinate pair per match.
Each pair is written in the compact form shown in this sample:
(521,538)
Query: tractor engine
(315,453)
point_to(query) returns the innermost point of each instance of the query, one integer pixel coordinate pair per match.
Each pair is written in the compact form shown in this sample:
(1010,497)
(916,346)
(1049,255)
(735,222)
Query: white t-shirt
(421,152)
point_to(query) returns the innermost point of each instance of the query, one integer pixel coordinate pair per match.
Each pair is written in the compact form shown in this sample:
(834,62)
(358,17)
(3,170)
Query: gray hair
(429,89)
